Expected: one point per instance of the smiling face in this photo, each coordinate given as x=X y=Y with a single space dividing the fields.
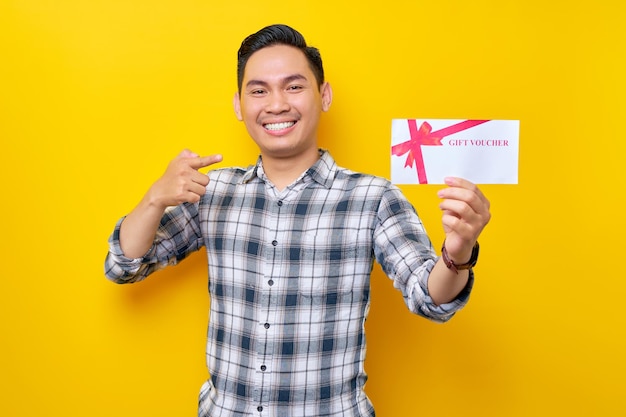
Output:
x=280 y=103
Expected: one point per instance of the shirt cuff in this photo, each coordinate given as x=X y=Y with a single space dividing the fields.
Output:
x=118 y=266
x=444 y=312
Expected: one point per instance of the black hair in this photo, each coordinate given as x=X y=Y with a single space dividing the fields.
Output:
x=278 y=35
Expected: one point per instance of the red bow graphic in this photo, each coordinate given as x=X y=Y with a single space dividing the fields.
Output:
x=425 y=136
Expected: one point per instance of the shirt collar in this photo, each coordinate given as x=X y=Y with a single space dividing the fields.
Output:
x=323 y=171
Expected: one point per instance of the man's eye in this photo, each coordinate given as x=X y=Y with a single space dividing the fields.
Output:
x=294 y=87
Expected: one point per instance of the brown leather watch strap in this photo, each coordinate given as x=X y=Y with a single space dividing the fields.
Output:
x=451 y=265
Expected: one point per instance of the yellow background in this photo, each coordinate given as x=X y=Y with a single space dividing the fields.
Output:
x=96 y=96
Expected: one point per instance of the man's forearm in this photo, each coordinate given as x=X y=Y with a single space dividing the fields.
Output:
x=139 y=228
x=444 y=284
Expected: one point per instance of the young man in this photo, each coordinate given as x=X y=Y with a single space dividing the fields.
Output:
x=290 y=246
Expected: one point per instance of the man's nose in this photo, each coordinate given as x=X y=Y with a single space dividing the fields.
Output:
x=277 y=103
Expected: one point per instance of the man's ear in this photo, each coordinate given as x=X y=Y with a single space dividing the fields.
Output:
x=327 y=96
x=237 y=106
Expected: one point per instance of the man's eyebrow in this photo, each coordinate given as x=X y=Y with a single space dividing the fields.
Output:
x=294 y=77
x=286 y=80
x=256 y=82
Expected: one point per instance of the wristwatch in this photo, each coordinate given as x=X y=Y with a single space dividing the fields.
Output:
x=451 y=265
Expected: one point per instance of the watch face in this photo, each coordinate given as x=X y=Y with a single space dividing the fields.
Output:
x=474 y=258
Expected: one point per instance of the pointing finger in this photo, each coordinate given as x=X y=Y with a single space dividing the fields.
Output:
x=205 y=161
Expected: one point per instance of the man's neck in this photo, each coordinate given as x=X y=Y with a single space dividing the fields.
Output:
x=284 y=171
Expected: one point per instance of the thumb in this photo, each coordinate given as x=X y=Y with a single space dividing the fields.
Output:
x=186 y=153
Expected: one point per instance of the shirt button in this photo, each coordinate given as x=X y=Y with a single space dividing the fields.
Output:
x=266 y=325
x=259 y=409
x=263 y=368
x=280 y=203
x=274 y=242
x=270 y=282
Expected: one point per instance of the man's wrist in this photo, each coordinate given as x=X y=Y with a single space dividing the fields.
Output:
x=455 y=266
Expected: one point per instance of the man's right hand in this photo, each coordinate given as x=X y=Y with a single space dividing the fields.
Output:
x=182 y=182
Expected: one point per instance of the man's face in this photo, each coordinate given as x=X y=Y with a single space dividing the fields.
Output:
x=280 y=102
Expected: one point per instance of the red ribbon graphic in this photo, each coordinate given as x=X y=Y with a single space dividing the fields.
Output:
x=425 y=136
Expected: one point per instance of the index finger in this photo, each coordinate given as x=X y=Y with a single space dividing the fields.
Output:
x=459 y=188
x=204 y=161
x=459 y=182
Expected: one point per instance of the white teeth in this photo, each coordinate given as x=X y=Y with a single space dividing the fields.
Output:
x=279 y=126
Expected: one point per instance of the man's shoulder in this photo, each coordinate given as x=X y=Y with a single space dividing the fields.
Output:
x=228 y=175
x=361 y=179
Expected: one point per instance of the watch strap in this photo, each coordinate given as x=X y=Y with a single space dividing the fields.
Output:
x=456 y=267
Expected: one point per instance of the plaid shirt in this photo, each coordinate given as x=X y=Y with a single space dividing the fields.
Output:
x=289 y=280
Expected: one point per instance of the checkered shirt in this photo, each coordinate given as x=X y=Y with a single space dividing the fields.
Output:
x=289 y=281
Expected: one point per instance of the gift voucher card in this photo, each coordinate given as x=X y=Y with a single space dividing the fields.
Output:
x=425 y=151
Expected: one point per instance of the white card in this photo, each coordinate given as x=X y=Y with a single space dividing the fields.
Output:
x=481 y=151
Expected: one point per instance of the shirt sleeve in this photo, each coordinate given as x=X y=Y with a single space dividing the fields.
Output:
x=406 y=255
x=178 y=235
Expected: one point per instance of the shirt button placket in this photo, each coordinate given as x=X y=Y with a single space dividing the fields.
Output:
x=266 y=346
